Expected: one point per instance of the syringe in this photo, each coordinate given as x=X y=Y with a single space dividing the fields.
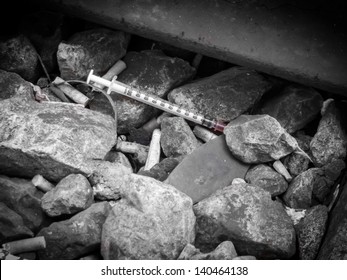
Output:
x=154 y=101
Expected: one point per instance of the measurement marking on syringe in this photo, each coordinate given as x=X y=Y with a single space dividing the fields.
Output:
x=155 y=102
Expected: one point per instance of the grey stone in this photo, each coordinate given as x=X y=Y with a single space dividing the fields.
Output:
x=188 y=252
x=153 y=220
x=294 y=107
x=299 y=192
x=53 y=140
x=94 y=49
x=223 y=96
x=267 y=178
x=151 y=72
x=247 y=216
x=176 y=137
x=22 y=197
x=330 y=141
x=77 y=236
x=12 y=85
x=258 y=139
x=107 y=180
x=310 y=231
x=12 y=226
x=224 y=251
x=18 y=55
x=296 y=163
x=118 y=157
x=245 y=257
x=161 y=170
x=334 y=246
x=71 y=195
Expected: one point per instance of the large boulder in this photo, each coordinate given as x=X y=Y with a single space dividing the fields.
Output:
x=247 y=216
x=224 y=96
x=153 y=220
x=53 y=140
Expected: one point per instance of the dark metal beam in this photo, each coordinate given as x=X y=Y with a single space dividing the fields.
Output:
x=283 y=40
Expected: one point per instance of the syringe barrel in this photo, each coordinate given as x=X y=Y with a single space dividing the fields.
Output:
x=154 y=101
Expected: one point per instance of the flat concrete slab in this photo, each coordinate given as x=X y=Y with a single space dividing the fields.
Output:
x=281 y=40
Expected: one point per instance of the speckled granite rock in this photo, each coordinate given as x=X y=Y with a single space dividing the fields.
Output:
x=53 y=140
x=153 y=220
x=71 y=195
x=247 y=216
x=310 y=231
x=258 y=138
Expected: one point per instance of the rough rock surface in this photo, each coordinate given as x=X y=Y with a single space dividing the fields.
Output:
x=299 y=192
x=298 y=163
x=330 y=141
x=71 y=195
x=53 y=140
x=310 y=231
x=153 y=221
x=267 y=178
x=151 y=72
x=294 y=107
x=76 y=237
x=22 y=197
x=334 y=245
x=224 y=251
x=310 y=185
x=224 y=96
x=161 y=170
x=12 y=225
x=18 y=55
x=12 y=85
x=95 y=49
x=258 y=139
x=106 y=181
x=247 y=216
x=176 y=137
x=118 y=157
